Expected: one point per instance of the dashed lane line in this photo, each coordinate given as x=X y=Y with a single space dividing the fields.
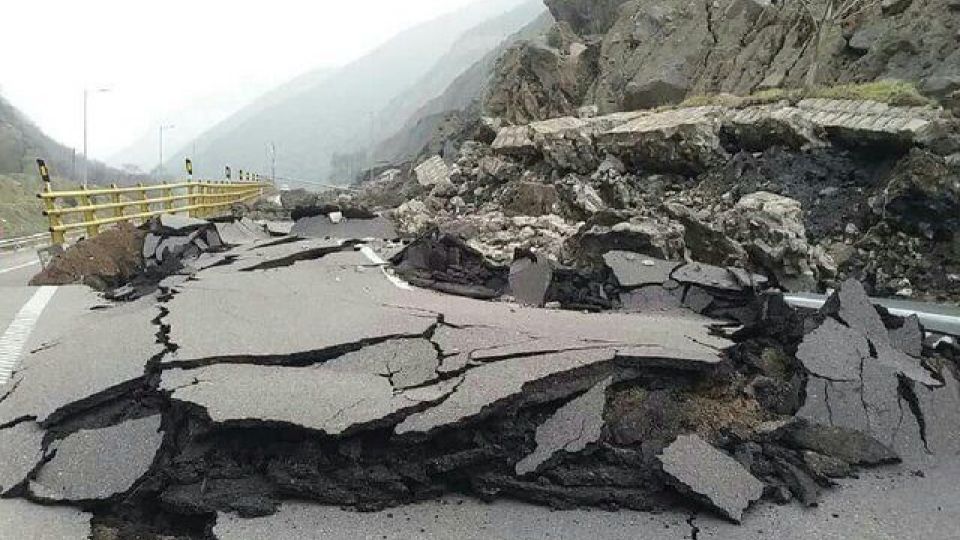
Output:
x=376 y=259
x=16 y=335
x=18 y=267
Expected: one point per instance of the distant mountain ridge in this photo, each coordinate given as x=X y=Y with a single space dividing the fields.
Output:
x=349 y=110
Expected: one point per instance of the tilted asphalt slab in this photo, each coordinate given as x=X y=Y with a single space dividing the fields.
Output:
x=81 y=347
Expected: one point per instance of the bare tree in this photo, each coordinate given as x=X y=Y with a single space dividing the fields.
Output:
x=827 y=14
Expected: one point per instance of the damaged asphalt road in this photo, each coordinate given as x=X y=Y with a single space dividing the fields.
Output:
x=292 y=369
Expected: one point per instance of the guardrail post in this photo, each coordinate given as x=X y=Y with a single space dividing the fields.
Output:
x=144 y=206
x=191 y=200
x=115 y=199
x=57 y=237
x=89 y=216
x=167 y=194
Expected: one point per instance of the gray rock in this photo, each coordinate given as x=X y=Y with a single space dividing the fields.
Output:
x=433 y=172
x=635 y=270
x=81 y=469
x=711 y=476
x=171 y=248
x=571 y=429
x=22 y=451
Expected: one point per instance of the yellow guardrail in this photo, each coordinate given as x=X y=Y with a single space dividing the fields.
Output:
x=200 y=199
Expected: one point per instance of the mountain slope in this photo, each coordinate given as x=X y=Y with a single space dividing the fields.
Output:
x=424 y=113
x=335 y=115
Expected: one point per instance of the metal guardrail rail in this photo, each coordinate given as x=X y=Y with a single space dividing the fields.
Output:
x=199 y=199
x=7 y=244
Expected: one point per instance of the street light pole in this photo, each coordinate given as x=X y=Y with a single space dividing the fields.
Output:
x=86 y=158
x=160 y=165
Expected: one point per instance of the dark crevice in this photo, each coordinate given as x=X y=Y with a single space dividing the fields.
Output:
x=308 y=255
x=908 y=393
x=694 y=529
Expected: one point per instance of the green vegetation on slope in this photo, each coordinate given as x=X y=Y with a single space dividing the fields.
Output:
x=891 y=92
x=20 y=210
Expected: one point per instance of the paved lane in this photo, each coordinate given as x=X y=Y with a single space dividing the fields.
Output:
x=17 y=267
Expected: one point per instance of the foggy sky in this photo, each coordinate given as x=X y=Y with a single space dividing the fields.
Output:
x=157 y=57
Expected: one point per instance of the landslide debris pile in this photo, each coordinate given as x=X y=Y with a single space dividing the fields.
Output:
x=807 y=193
x=387 y=396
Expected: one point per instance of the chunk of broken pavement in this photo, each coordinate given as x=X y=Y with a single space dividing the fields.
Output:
x=834 y=351
x=22 y=451
x=331 y=401
x=571 y=429
x=530 y=279
x=494 y=386
x=851 y=446
x=635 y=270
x=711 y=476
x=99 y=464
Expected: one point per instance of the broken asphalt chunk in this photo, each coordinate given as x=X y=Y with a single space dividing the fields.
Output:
x=331 y=401
x=22 y=450
x=571 y=429
x=851 y=446
x=350 y=229
x=834 y=351
x=530 y=279
x=635 y=270
x=405 y=362
x=498 y=385
x=93 y=465
x=75 y=361
x=711 y=476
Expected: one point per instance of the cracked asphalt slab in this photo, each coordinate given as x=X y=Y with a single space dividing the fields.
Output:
x=293 y=369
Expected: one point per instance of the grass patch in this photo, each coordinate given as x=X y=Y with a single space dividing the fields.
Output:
x=892 y=92
x=20 y=209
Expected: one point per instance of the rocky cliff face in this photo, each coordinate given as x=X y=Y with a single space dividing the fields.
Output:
x=625 y=55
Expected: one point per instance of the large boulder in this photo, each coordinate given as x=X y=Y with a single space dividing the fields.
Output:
x=530 y=199
x=770 y=227
x=616 y=231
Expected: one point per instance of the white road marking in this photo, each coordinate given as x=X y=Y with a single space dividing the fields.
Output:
x=16 y=335
x=376 y=259
x=18 y=267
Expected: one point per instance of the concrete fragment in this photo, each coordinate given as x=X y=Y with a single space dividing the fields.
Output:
x=172 y=247
x=571 y=429
x=22 y=450
x=99 y=464
x=834 y=351
x=339 y=401
x=635 y=270
x=711 y=476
